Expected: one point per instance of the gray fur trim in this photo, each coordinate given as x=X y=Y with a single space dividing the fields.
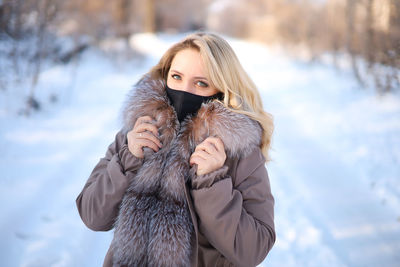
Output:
x=154 y=225
x=207 y=180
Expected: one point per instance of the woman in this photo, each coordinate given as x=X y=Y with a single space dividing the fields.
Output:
x=184 y=183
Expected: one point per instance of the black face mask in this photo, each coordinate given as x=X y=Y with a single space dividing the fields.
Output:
x=186 y=103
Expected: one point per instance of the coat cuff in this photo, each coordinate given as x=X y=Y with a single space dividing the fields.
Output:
x=129 y=162
x=208 y=179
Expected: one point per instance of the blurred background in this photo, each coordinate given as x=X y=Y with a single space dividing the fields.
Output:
x=38 y=33
x=327 y=70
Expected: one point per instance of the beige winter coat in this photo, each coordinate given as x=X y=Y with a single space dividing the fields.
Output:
x=232 y=208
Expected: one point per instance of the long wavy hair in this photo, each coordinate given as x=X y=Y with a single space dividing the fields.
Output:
x=225 y=73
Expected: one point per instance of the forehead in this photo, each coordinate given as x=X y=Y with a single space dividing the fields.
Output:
x=188 y=61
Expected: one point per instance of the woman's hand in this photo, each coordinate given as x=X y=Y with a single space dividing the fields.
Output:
x=209 y=155
x=143 y=134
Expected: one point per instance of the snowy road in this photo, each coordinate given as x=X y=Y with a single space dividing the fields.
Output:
x=328 y=212
x=334 y=175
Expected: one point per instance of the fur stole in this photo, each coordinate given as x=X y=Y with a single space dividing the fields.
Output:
x=154 y=226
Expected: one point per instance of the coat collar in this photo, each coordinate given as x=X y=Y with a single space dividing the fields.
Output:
x=239 y=133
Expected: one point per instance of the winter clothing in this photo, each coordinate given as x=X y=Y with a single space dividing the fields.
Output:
x=166 y=215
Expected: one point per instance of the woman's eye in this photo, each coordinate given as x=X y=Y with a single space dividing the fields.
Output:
x=176 y=76
x=202 y=84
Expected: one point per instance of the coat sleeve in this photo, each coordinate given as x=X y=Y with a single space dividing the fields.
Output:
x=237 y=220
x=99 y=201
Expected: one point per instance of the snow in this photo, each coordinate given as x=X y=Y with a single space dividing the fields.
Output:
x=334 y=173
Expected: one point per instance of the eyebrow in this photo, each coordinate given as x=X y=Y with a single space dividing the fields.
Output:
x=197 y=77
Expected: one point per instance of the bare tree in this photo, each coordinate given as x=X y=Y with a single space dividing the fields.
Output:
x=149 y=18
x=369 y=36
x=122 y=17
x=351 y=38
x=46 y=10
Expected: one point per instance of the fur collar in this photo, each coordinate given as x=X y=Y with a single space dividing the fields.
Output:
x=239 y=133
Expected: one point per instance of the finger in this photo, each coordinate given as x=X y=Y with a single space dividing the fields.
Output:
x=217 y=142
x=197 y=160
x=202 y=154
x=142 y=119
x=149 y=136
x=194 y=158
x=148 y=143
x=147 y=126
x=207 y=146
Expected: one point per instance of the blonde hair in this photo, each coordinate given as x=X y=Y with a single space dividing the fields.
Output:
x=227 y=75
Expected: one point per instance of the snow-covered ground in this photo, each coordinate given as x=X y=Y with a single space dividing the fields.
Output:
x=335 y=170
